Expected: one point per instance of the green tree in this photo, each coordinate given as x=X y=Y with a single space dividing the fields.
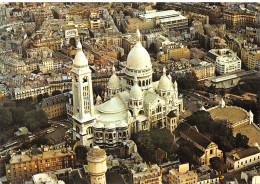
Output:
x=241 y=140
x=56 y=92
x=18 y=115
x=217 y=131
x=148 y=142
x=66 y=90
x=189 y=81
x=5 y=117
x=202 y=120
x=185 y=154
x=98 y=89
x=152 y=48
x=46 y=95
x=162 y=138
x=145 y=145
x=39 y=98
x=34 y=126
x=81 y=153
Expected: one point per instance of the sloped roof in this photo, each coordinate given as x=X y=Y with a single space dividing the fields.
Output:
x=194 y=135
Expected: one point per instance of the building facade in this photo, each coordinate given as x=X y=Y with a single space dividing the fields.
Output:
x=226 y=61
x=143 y=173
x=182 y=175
x=23 y=167
x=250 y=57
x=206 y=149
x=243 y=158
x=204 y=70
x=54 y=106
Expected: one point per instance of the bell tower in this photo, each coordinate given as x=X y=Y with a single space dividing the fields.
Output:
x=83 y=105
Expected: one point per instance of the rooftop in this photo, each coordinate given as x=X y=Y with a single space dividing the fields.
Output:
x=197 y=137
x=161 y=14
x=45 y=155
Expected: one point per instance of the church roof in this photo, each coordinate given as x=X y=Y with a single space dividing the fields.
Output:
x=122 y=124
x=150 y=97
x=110 y=126
x=99 y=125
x=114 y=82
x=114 y=105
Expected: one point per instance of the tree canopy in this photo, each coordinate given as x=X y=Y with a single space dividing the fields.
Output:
x=23 y=113
x=5 y=117
x=81 y=153
x=148 y=142
x=189 y=81
x=56 y=92
x=217 y=131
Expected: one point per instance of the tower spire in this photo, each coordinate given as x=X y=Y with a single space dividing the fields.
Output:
x=164 y=71
x=113 y=69
x=135 y=80
x=138 y=34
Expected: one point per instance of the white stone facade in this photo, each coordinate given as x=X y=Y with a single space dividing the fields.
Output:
x=135 y=102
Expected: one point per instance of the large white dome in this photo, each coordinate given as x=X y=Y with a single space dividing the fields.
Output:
x=138 y=58
x=80 y=59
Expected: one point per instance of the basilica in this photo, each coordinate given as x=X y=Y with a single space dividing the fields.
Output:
x=134 y=102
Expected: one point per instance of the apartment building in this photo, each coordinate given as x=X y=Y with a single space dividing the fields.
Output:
x=143 y=173
x=243 y=158
x=226 y=60
x=182 y=175
x=54 y=106
x=204 y=70
x=250 y=57
x=23 y=166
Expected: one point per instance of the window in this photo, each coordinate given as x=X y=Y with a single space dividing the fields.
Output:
x=211 y=151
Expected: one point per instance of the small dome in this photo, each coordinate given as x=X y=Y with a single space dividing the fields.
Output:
x=138 y=58
x=80 y=59
x=111 y=126
x=98 y=125
x=114 y=81
x=136 y=92
x=164 y=82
